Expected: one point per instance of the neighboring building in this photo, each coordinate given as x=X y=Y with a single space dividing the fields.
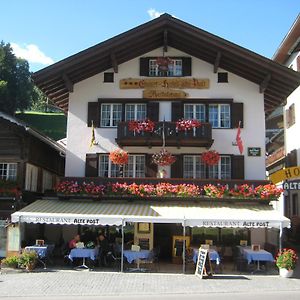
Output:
x=288 y=54
x=30 y=164
x=206 y=78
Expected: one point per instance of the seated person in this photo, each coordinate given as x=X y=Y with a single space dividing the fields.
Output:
x=103 y=244
x=74 y=241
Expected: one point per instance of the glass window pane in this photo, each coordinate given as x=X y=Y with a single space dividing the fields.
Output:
x=153 y=70
x=225 y=115
x=117 y=114
x=214 y=115
x=225 y=167
x=103 y=166
x=141 y=111
x=213 y=172
x=139 y=166
x=189 y=111
x=129 y=112
x=114 y=170
x=12 y=172
x=105 y=115
x=200 y=167
x=188 y=166
x=3 y=171
x=200 y=112
x=129 y=167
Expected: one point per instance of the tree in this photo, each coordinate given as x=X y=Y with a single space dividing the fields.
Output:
x=16 y=86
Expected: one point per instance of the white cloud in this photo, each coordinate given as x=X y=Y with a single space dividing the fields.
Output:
x=32 y=53
x=153 y=13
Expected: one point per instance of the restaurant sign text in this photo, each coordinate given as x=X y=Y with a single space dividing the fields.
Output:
x=228 y=223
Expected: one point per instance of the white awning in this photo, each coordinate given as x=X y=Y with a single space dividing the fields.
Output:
x=205 y=214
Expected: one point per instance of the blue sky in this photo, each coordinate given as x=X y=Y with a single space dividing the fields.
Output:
x=46 y=31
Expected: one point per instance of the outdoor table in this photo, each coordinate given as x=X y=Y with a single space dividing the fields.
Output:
x=136 y=256
x=213 y=255
x=261 y=255
x=83 y=253
x=43 y=252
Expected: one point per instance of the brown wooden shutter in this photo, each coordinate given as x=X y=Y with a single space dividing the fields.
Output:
x=144 y=66
x=153 y=111
x=151 y=169
x=93 y=114
x=91 y=165
x=237 y=167
x=177 y=167
x=186 y=66
x=177 y=110
x=237 y=114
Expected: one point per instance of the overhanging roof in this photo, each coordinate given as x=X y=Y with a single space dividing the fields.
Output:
x=208 y=214
x=275 y=80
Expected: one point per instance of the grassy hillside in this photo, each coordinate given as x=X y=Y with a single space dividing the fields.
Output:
x=53 y=125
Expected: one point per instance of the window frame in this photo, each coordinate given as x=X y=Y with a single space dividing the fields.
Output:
x=110 y=164
x=219 y=120
x=194 y=110
x=157 y=73
x=219 y=169
x=111 y=111
x=194 y=171
x=8 y=169
x=135 y=111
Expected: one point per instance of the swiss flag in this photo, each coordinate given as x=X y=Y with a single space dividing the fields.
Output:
x=239 y=139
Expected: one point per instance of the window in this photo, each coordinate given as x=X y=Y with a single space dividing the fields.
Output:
x=290 y=116
x=31 y=178
x=174 y=68
x=108 y=77
x=193 y=167
x=135 y=112
x=8 y=171
x=222 y=77
x=219 y=115
x=111 y=114
x=222 y=170
x=134 y=168
x=194 y=111
x=47 y=180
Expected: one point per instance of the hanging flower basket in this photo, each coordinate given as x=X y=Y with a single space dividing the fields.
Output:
x=163 y=158
x=163 y=63
x=182 y=124
x=119 y=157
x=210 y=158
x=140 y=126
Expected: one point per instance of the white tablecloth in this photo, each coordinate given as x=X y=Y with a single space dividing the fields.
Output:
x=131 y=256
x=83 y=253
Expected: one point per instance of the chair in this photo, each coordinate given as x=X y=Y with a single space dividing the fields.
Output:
x=148 y=261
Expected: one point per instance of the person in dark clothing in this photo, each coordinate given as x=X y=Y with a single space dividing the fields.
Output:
x=103 y=249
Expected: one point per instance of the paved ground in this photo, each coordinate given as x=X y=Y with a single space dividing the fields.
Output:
x=85 y=283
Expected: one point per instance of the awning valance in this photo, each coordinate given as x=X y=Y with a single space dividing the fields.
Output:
x=210 y=214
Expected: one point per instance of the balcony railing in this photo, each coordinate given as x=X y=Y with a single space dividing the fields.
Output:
x=197 y=137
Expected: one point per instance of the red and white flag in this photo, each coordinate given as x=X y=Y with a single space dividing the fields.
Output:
x=238 y=139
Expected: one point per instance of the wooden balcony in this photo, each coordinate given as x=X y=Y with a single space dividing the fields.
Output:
x=197 y=137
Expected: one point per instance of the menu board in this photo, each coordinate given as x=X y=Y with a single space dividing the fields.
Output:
x=13 y=238
x=202 y=255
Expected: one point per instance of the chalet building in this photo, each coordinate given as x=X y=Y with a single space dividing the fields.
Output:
x=165 y=71
x=288 y=54
x=30 y=164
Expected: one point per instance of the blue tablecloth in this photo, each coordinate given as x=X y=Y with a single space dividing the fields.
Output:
x=42 y=251
x=83 y=253
x=131 y=256
x=213 y=255
x=261 y=255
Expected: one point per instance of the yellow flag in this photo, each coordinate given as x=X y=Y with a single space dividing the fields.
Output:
x=93 y=136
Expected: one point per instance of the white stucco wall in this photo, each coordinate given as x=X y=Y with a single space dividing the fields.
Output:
x=239 y=89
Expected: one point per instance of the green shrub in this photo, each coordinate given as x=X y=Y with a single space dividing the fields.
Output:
x=11 y=262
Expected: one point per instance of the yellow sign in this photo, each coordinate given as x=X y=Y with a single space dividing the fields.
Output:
x=164 y=94
x=157 y=83
x=285 y=174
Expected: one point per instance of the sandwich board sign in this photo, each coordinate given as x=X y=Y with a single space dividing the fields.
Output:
x=203 y=266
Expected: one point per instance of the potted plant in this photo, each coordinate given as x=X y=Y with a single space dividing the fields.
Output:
x=286 y=261
x=163 y=158
x=210 y=158
x=10 y=262
x=28 y=260
x=119 y=157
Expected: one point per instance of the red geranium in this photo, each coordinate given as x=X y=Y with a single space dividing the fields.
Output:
x=182 y=124
x=211 y=157
x=119 y=157
x=139 y=126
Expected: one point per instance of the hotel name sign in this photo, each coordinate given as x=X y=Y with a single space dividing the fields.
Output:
x=158 y=83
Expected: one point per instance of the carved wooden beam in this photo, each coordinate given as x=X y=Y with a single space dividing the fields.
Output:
x=165 y=40
x=217 y=62
x=263 y=86
x=114 y=62
x=68 y=83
